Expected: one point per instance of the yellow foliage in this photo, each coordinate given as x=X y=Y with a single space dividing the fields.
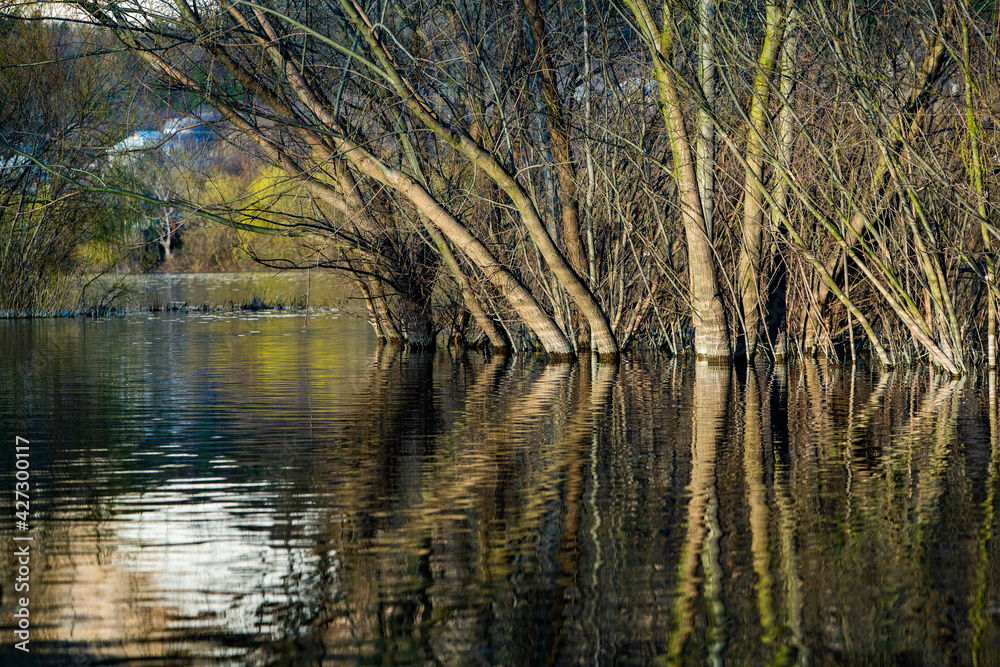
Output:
x=272 y=199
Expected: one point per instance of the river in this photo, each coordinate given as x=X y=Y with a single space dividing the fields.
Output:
x=265 y=488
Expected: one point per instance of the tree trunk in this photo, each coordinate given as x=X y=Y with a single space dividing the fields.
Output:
x=748 y=267
x=706 y=125
x=563 y=162
x=973 y=133
x=464 y=144
x=711 y=333
x=777 y=323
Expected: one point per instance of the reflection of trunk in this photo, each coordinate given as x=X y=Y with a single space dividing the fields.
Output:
x=463 y=472
x=858 y=423
x=592 y=596
x=753 y=453
x=788 y=524
x=940 y=409
x=596 y=382
x=570 y=443
x=711 y=394
x=552 y=487
x=979 y=604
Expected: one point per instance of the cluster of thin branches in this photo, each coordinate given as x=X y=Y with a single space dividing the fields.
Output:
x=780 y=176
x=52 y=111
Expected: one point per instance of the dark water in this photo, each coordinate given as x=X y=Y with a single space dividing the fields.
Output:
x=235 y=490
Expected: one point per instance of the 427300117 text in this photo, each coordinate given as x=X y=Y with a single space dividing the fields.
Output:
x=22 y=543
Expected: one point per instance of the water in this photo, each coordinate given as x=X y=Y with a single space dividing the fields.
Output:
x=234 y=488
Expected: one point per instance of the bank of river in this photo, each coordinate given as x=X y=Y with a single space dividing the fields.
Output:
x=107 y=295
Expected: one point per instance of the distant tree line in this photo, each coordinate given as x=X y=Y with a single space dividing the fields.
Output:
x=785 y=177
x=54 y=110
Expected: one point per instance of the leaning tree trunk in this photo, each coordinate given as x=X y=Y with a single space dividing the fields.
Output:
x=908 y=119
x=563 y=162
x=472 y=303
x=461 y=142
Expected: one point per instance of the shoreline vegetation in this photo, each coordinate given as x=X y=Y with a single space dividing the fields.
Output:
x=198 y=292
x=784 y=178
x=174 y=307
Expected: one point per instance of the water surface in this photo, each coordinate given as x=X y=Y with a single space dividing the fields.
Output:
x=258 y=488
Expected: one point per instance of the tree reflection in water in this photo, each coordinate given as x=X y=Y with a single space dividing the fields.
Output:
x=393 y=507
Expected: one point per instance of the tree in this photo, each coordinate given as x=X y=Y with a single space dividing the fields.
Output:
x=55 y=109
x=571 y=175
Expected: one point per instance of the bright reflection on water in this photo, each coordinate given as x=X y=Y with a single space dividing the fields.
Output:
x=235 y=489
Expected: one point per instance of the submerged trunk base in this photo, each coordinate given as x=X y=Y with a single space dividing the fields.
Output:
x=561 y=358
